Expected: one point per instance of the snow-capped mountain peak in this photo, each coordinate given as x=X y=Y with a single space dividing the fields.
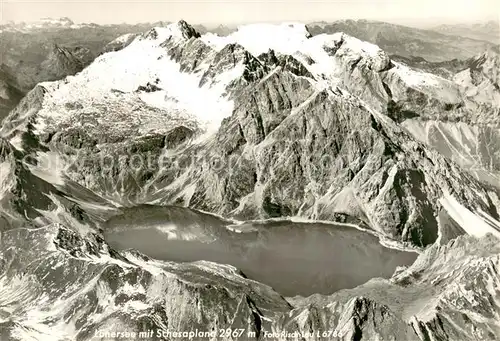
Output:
x=160 y=56
x=302 y=128
x=178 y=30
x=43 y=24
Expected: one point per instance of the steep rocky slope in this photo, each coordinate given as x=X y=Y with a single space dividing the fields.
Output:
x=267 y=122
x=62 y=62
x=473 y=144
x=120 y=42
x=308 y=127
x=10 y=94
x=58 y=285
x=481 y=79
x=25 y=52
x=103 y=291
x=406 y=41
x=449 y=293
x=51 y=49
x=19 y=78
x=33 y=194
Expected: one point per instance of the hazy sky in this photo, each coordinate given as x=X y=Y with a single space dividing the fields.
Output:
x=239 y=11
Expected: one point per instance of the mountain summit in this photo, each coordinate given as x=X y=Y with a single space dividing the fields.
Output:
x=215 y=144
x=241 y=97
x=433 y=45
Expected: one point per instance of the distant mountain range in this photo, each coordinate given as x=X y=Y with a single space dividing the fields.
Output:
x=43 y=24
x=489 y=31
x=406 y=41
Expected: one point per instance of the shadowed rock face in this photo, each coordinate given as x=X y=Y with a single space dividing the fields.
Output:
x=32 y=197
x=321 y=133
x=10 y=92
x=59 y=62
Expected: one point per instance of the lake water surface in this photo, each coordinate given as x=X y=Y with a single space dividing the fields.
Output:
x=293 y=258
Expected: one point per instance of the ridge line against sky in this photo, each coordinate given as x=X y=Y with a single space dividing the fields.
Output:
x=210 y=12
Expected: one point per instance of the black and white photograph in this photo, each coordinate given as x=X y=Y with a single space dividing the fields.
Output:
x=283 y=170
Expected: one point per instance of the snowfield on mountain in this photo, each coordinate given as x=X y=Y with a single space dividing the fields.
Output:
x=201 y=150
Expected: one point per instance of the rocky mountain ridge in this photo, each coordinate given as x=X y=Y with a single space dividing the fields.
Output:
x=28 y=50
x=407 y=41
x=473 y=146
x=268 y=122
x=106 y=292
x=361 y=81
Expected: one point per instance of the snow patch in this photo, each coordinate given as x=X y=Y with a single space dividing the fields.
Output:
x=143 y=61
x=6 y=178
x=122 y=39
x=49 y=167
x=428 y=83
x=472 y=223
